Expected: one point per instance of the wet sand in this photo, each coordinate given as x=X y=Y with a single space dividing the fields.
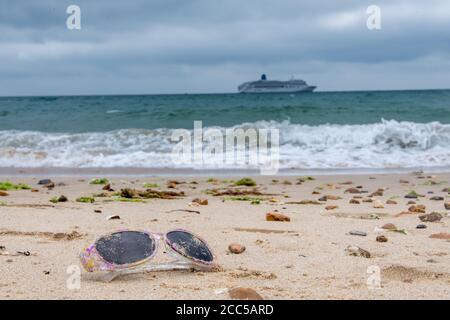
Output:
x=303 y=258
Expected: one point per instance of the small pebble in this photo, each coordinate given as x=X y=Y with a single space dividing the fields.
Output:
x=378 y=204
x=45 y=181
x=277 y=217
x=358 y=252
x=63 y=198
x=432 y=217
x=49 y=186
x=107 y=187
x=244 y=294
x=358 y=233
x=236 y=248
x=441 y=235
x=420 y=208
x=202 y=202
x=389 y=226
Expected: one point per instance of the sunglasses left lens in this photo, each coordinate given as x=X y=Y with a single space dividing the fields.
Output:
x=189 y=246
x=125 y=247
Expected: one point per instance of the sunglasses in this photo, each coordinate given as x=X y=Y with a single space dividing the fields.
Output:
x=128 y=252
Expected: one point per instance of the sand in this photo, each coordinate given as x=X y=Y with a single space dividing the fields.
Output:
x=304 y=258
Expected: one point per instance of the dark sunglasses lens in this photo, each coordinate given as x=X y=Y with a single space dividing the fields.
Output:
x=125 y=247
x=189 y=245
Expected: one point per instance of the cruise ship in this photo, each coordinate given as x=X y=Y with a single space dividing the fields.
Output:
x=275 y=86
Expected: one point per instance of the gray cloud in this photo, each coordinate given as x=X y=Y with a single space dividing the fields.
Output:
x=168 y=46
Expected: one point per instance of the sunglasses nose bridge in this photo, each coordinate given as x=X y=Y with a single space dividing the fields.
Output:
x=158 y=236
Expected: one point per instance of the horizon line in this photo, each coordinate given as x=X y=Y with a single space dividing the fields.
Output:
x=214 y=93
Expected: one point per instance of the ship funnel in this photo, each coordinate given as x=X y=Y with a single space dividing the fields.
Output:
x=263 y=77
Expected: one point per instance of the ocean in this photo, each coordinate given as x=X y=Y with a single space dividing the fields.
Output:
x=322 y=130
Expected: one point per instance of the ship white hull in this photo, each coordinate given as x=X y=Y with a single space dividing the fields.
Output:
x=277 y=90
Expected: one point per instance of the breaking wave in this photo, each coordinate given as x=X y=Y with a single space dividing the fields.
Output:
x=387 y=144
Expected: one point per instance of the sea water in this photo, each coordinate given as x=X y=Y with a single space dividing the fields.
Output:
x=322 y=130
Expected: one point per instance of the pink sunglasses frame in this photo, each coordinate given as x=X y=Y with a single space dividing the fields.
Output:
x=92 y=261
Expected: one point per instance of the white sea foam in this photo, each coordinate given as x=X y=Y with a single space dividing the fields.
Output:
x=388 y=144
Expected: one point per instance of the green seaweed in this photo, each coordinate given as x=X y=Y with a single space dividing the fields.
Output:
x=305 y=202
x=412 y=194
x=245 y=182
x=99 y=181
x=100 y=195
x=86 y=200
x=150 y=185
x=402 y=231
x=246 y=198
x=54 y=200
x=6 y=186
x=433 y=183
x=305 y=178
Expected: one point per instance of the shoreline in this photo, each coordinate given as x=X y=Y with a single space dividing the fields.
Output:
x=189 y=172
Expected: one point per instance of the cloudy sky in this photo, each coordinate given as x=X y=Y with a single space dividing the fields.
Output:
x=193 y=46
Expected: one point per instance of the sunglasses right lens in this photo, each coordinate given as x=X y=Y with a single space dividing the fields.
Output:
x=125 y=247
x=189 y=245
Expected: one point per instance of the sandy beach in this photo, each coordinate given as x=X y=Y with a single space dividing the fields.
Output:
x=304 y=258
